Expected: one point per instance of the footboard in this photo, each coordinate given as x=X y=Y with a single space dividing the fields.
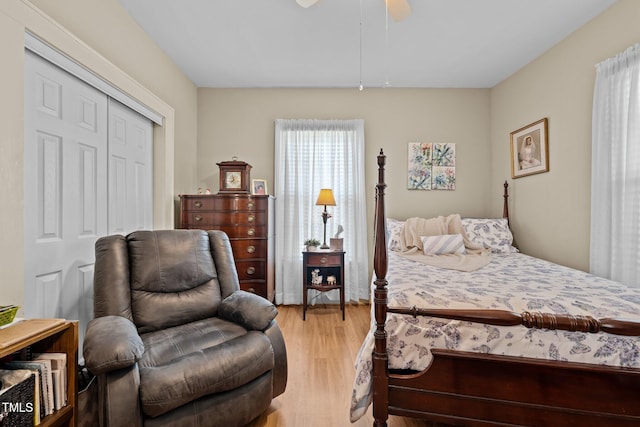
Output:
x=474 y=389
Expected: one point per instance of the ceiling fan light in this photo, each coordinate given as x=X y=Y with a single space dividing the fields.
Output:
x=306 y=3
x=398 y=9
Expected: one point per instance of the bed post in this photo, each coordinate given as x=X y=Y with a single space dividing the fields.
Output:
x=380 y=359
x=505 y=209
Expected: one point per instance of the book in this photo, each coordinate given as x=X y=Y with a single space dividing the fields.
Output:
x=59 y=374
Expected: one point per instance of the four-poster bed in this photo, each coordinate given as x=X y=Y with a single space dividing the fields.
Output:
x=478 y=388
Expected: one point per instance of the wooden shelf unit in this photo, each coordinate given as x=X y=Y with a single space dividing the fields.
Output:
x=48 y=336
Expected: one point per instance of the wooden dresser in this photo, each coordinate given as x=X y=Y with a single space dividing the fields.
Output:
x=248 y=220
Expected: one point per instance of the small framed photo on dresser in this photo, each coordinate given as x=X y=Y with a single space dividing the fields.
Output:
x=259 y=187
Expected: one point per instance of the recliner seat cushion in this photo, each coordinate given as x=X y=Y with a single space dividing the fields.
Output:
x=215 y=369
x=163 y=346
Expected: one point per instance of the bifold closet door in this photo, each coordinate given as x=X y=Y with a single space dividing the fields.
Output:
x=88 y=173
x=65 y=187
x=130 y=170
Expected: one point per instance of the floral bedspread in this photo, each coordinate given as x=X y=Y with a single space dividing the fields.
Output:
x=514 y=282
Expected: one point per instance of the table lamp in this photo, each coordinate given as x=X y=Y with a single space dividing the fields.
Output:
x=325 y=198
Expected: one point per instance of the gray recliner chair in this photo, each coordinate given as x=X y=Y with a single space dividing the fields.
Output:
x=174 y=340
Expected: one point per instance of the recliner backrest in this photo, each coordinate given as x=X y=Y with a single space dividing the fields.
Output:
x=163 y=278
x=173 y=278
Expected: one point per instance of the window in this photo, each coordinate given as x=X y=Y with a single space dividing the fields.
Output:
x=615 y=170
x=310 y=155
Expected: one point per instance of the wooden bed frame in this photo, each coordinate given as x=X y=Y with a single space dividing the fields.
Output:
x=472 y=389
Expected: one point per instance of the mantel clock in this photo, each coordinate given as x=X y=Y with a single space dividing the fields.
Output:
x=234 y=176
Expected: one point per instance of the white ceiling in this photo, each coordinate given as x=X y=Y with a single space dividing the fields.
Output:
x=277 y=43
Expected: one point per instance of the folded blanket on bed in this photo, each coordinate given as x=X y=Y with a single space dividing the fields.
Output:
x=415 y=229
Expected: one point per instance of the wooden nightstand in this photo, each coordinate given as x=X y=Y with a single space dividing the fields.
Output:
x=328 y=263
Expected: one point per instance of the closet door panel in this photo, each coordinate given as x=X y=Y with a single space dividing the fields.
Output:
x=65 y=187
x=130 y=170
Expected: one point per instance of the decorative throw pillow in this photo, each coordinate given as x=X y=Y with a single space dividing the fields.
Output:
x=394 y=230
x=443 y=244
x=492 y=233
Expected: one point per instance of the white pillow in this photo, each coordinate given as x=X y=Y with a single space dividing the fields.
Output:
x=493 y=233
x=443 y=244
x=394 y=230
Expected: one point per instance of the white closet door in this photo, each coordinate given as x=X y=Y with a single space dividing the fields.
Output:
x=130 y=170
x=65 y=187
x=88 y=173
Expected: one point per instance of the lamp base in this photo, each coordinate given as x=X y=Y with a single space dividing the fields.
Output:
x=324 y=246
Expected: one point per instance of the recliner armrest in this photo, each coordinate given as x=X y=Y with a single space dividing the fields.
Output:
x=249 y=310
x=111 y=343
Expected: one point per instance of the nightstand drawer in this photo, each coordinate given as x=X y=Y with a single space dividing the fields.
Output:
x=324 y=259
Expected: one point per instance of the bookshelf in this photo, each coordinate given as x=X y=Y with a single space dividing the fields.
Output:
x=48 y=336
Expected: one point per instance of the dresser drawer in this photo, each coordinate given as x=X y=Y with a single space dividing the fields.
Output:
x=249 y=248
x=241 y=204
x=324 y=259
x=255 y=286
x=197 y=203
x=217 y=203
x=237 y=218
x=198 y=219
x=251 y=270
x=243 y=231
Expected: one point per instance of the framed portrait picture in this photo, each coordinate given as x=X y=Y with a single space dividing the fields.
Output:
x=530 y=149
x=259 y=187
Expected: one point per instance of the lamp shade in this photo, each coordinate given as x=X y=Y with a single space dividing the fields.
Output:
x=326 y=197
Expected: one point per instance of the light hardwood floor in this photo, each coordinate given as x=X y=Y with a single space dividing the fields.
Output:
x=321 y=355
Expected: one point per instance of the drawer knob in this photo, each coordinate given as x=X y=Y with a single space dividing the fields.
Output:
x=250 y=205
x=323 y=260
x=198 y=204
x=197 y=218
x=251 y=232
x=251 y=270
x=251 y=249
x=251 y=218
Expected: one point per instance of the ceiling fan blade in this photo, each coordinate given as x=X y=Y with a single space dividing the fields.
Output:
x=306 y=3
x=398 y=9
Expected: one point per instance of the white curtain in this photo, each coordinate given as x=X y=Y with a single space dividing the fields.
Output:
x=615 y=182
x=311 y=155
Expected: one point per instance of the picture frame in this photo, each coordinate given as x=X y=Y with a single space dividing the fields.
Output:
x=431 y=166
x=259 y=187
x=530 y=149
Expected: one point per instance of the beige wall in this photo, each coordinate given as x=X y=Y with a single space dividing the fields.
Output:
x=240 y=122
x=551 y=211
x=99 y=35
